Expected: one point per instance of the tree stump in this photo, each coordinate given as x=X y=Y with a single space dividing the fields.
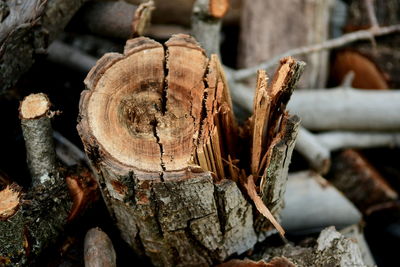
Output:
x=158 y=127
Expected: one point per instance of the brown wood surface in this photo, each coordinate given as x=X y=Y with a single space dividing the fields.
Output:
x=158 y=127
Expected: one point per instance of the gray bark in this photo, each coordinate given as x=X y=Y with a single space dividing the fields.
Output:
x=26 y=31
x=312 y=203
x=38 y=136
x=347 y=109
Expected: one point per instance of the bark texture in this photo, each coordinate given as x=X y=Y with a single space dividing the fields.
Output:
x=38 y=136
x=165 y=207
x=41 y=215
x=166 y=144
x=26 y=31
x=269 y=28
x=331 y=249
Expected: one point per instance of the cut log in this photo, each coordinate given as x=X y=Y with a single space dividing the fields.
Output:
x=27 y=30
x=34 y=112
x=158 y=127
x=116 y=19
x=360 y=181
x=347 y=109
x=264 y=24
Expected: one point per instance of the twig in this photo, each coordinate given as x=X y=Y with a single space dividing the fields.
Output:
x=333 y=43
x=369 y=4
x=338 y=140
x=316 y=148
x=313 y=151
x=34 y=112
x=206 y=23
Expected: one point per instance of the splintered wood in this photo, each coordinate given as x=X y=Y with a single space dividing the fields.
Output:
x=158 y=126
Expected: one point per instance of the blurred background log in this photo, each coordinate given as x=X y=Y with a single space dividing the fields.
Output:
x=269 y=28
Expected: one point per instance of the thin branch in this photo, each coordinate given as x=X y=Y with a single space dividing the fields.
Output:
x=329 y=44
x=34 y=112
x=338 y=140
x=317 y=155
x=369 y=4
x=206 y=23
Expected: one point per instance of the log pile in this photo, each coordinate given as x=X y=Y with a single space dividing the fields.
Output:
x=191 y=162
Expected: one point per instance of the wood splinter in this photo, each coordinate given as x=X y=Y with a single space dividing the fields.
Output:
x=158 y=127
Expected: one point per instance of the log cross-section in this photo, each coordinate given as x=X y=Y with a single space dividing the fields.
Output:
x=157 y=125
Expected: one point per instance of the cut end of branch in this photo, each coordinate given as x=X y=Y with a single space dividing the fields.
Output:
x=218 y=8
x=154 y=97
x=34 y=106
x=9 y=201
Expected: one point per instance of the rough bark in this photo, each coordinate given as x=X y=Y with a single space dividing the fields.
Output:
x=331 y=249
x=360 y=181
x=27 y=30
x=41 y=215
x=165 y=208
x=265 y=24
x=31 y=221
x=165 y=146
x=34 y=112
